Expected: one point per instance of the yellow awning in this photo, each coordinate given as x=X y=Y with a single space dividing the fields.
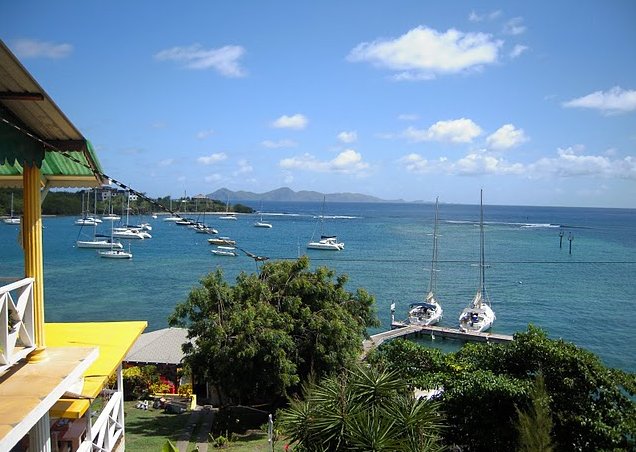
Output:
x=114 y=340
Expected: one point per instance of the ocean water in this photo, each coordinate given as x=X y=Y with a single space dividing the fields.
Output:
x=587 y=297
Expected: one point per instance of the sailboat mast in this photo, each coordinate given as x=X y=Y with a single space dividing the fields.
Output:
x=432 y=287
x=322 y=217
x=482 y=261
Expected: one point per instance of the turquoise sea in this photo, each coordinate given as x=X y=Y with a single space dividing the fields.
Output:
x=587 y=297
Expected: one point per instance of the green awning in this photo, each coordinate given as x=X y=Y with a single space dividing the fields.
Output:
x=57 y=169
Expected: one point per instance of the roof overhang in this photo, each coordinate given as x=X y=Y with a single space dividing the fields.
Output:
x=34 y=131
x=113 y=339
x=28 y=390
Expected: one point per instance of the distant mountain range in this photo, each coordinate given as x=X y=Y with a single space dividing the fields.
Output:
x=287 y=194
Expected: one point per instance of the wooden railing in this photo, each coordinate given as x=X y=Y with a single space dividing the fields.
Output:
x=17 y=335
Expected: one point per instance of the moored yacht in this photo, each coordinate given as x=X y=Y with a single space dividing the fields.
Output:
x=479 y=316
x=430 y=312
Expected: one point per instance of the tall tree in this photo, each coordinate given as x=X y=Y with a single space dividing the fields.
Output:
x=257 y=340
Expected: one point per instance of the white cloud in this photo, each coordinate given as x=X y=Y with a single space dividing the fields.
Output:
x=518 y=50
x=166 y=162
x=296 y=121
x=473 y=164
x=478 y=163
x=455 y=131
x=423 y=52
x=348 y=137
x=211 y=159
x=244 y=167
x=347 y=162
x=203 y=134
x=214 y=177
x=506 y=137
x=567 y=163
x=415 y=163
x=32 y=48
x=514 y=26
x=474 y=17
x=614 y=101
x=225 y=60
x=279 y=144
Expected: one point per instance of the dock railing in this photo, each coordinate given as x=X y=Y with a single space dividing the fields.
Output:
x=17 y=328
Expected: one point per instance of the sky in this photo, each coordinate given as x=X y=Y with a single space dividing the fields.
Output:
x=534 y=102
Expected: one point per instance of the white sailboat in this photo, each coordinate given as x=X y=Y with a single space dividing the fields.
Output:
x=430 y=312
x=479 y=316
x=228 y=215
x=110 y=216
x=326 y=242
x=172 y=217
x=98 y=241
x=225 y=251
x=87 y=219
x=115 y=252
x=130 y=232
x=11 y=219
x=260 y=223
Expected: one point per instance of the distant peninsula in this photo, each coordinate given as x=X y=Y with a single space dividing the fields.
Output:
x=287 y=194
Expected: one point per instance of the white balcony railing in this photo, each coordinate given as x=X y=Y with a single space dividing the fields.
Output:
x=108 y=428
x=17 y=329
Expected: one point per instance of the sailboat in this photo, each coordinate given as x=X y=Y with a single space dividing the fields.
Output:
x=110 y=215
x=479 y=316
x=115 y=252
x=261 y=223
x=228 y=215
x=87 y=219
x=11 y=219
x=430 y=312
x=99 y=241
x=127 y=231
x=172 y=217
x=326 y=242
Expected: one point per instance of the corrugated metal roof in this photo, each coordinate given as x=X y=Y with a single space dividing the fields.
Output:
x=57 y=169
x=159 y=347
x=27 y=107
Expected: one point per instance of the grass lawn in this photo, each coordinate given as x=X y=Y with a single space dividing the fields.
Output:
x=147 y=431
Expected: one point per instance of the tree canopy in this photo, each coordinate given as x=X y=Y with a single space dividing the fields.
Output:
x=257 y=340
x=592 y=406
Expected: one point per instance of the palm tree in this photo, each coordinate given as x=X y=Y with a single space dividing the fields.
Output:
x=362 y=409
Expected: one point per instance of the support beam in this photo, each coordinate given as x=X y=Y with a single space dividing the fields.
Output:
x=32 y=245
x=12 y=95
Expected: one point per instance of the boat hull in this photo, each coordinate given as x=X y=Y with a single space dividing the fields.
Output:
x=325 y=245
x=98 y=244
x=115 y=254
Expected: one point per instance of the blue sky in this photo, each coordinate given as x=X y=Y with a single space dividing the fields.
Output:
x=535 y=102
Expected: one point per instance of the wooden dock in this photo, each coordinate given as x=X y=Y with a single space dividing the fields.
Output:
x=400 y=329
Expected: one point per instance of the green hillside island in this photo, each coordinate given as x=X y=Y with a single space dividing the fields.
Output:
x=289 y=195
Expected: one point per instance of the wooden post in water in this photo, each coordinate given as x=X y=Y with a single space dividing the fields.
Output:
x=570 y=238
x=560 y=239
